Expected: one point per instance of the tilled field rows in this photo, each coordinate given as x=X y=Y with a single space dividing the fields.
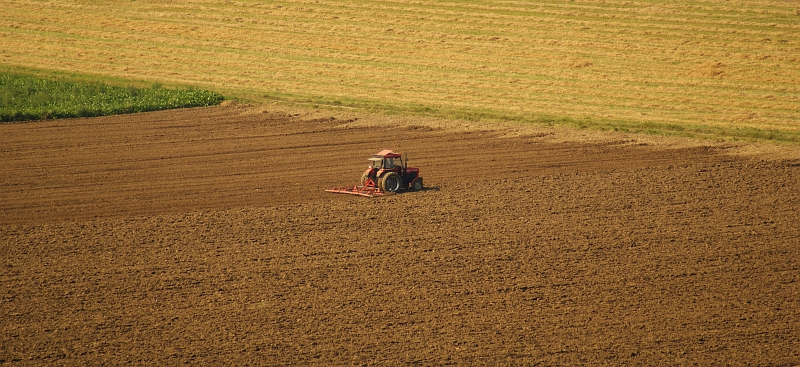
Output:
x=520 y=252
x=218 y=158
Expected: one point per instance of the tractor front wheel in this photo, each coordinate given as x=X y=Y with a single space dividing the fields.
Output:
x=416 y=185
x=390 y=182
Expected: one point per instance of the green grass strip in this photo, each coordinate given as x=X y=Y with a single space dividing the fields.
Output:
x=25 y=98
x=731 y=133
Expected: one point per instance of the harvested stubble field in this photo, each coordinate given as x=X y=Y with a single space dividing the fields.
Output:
x=204 y=237
x=716 y=68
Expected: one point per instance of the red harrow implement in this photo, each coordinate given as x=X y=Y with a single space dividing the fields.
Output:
x=368 y=189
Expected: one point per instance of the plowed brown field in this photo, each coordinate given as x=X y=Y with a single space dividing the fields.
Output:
x=204 y=237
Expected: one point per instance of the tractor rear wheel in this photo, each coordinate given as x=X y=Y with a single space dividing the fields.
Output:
x=390 y=182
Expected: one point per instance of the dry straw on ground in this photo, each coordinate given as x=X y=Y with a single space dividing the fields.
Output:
x=717 y=68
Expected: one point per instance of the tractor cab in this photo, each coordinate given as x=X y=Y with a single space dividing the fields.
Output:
x=375 y=163
x=386 y=159
x=383 y=163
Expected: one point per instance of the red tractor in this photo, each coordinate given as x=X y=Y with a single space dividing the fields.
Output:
x=391 y=172
x=387 y=172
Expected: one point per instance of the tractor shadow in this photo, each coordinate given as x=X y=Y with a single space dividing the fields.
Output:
x=424 y=189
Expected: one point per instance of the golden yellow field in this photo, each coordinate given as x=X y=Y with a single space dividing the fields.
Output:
x=710 y=68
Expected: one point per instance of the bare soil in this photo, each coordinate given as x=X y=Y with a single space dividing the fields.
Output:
x=204 y=236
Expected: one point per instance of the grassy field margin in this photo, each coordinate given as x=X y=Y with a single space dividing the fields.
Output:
x=720 y=133
x=25 y=97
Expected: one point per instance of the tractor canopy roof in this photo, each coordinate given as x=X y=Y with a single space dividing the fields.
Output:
x=387 y=153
